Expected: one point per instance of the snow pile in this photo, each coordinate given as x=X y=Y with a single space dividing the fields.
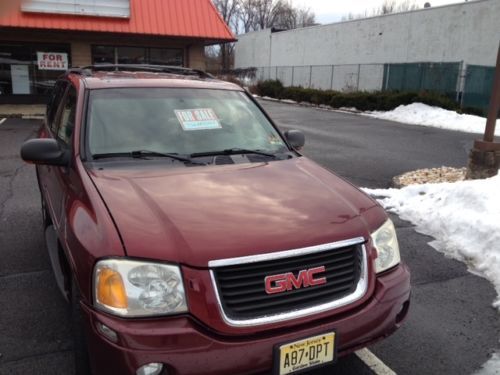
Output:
x=464 y=219
x=425 y=115
x=492 y=367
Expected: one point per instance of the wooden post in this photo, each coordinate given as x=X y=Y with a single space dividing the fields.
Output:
x=489 y=133
x=484 y=158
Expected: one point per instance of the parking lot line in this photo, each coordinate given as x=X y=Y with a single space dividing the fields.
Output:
x=3 y=120
x=374 y=363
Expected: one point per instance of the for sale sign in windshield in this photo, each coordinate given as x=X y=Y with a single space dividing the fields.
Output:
x=52 y=60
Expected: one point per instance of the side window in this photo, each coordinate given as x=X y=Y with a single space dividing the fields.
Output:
x=67 y=118
x=53 y=104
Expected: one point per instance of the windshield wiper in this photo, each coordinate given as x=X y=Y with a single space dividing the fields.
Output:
x=146 y=153
x=233 y=151
x=141 y=154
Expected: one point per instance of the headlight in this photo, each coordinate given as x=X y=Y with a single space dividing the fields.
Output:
x=134 y=288
x=386 y=242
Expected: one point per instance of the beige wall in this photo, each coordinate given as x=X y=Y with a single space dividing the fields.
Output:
x=81 y=43
x=81 y=54
x=196 y=57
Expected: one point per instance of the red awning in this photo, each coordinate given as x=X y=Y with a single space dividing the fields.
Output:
x=173 y=18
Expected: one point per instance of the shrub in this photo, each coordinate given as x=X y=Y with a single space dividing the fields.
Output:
x=474 y=111
x=436 y=100
x=272 y=88
x=363 y=101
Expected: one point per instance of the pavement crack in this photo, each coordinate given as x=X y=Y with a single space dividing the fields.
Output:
x=9 y=191
x=437 y=281
x=38 y=355
x=20 y=274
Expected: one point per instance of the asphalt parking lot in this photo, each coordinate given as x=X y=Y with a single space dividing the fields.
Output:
x=451 y=328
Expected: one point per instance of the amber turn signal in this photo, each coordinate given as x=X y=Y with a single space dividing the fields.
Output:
x=110 y=289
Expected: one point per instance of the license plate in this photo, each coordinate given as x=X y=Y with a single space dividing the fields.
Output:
x=305 y=354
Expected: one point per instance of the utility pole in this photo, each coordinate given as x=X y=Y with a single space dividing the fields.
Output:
x=484 y=158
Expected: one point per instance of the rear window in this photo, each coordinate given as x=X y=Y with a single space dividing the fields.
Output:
x=177 y=120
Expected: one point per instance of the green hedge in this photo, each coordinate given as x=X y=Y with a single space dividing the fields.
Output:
x=363 y=101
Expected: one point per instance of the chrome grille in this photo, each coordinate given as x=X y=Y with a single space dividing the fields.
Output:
x=241 y=287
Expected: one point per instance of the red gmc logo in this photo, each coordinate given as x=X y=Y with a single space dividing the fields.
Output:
x=288 y=281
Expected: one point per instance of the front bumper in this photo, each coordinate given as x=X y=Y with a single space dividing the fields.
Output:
x=185 y=346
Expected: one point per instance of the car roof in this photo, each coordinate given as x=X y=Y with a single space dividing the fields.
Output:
x=157 y=76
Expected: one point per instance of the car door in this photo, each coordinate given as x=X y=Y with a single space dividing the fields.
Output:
x=45 y=173
x=59 y=177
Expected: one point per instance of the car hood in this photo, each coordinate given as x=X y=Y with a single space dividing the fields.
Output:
x=191 y=215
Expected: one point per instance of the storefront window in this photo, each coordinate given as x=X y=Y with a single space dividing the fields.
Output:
x=165 y=56
x=31 y=69
x=103 y=55
x=15 y=74
x=137 y=55
x=131 y=55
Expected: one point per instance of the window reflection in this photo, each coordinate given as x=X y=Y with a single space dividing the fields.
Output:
x=165 y=56
x=103 y=55
x=137 y=55
x=131 y=55
x=19 y=72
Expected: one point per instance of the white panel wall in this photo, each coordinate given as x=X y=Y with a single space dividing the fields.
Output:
x=253 y=50
x=345 y=77
x=321 y=77
x=301 y=76
x=285 y=75
x=371 y=77
x=468 y=32
x=101 y=8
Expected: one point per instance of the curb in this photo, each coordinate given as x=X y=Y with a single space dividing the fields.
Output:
x=34 y=116
x=309 y=105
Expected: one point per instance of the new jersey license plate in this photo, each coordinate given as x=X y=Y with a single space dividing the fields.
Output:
x=305 y=354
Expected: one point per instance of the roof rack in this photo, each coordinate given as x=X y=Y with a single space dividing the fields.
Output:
x=88 y=70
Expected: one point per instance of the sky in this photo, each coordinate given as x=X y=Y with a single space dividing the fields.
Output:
x=328 y=11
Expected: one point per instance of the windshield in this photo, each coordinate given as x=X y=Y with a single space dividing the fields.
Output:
x=177 y=121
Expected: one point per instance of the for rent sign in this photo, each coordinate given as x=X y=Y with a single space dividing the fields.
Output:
x=52 y=60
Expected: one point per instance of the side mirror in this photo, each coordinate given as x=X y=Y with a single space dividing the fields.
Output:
x=44 y=151
x=296 y=138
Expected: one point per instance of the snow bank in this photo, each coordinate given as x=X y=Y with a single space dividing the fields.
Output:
x=425 y=115
x=464 y=219
x=492 y=367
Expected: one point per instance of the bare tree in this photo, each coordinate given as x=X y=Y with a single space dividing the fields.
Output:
x=284 y=16
x=305 y=17
x=263 y=14
x=251 y=15
x=393 y=6
x=387 y=7
x=229 y=10
x=247 y=16
x=291 y=17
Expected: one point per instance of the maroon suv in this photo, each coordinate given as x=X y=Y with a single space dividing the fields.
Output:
x=191 y=237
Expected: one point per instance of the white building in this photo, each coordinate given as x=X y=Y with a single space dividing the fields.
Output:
x=467 y=33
